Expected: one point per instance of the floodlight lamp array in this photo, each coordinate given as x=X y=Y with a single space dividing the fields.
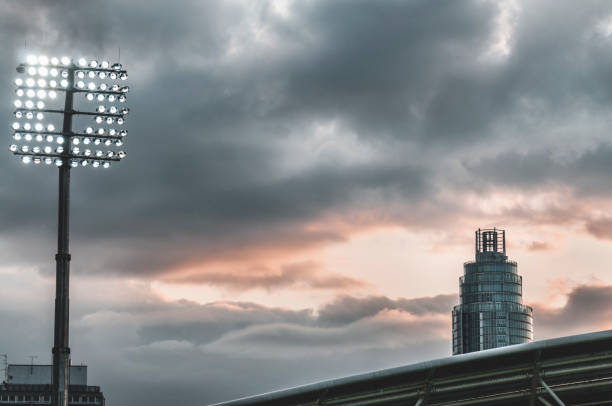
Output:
x=39 y=142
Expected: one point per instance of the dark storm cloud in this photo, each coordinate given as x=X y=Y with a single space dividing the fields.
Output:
x=588 y=308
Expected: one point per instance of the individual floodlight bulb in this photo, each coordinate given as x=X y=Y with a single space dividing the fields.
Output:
x=31 y=59
x=40 y=116
x=19 y=92
x=58 y=162
x=108 y=142
x=112 y=131
x=101 y=131
x=65 y=74
x=17 y=136
x=65 y=61
x=105 y=165
x=99 y=153
x=52 y=94
x=41 y=83
x=29 y=115
x=91 y=74
x=41 y=94
x=84 y=162
x=111 y=97
x=124 y=133
x=102 y=75
x=43 y=60
x=26 y=159
x=36 y=160
x=18 y=114
x=30 y=93
x=110 y=154
x=40 y=104
x=87 y=152
x=54 y=61
x=86 y=141
x=118 y=143
x=95 y=164
x=123 y=76
x=125 y=111
x=25 y=148
x=17 y=103
x=36 y=149
x=49 y=138
x=103 y=86
x=90 y=96
x=109 y=120
x=91 y=85
x=60 y=140
x=80 y=84
x=74 y=163
x=31 y=71
x=50 y=128
x=42 y=71
x=76 y=141
x=101 y=97
x=29 y=104
x=116 y=66
x=13 y=148
x=112 y=75
x=19 y=82
x=82 y=62
x=38 y=127
x=30 y=82
x=104 y=64
x=97 y=141
x=64 y=83
x=53 y=83
x=28 y=137
x=59 y=149
x=27 y=126
x=53 y=72
x=99 y=119
x=48 y=149
x=120 y=121
x=101 y=109
x=113 y=109
x=75 y=150
x=48 y=160
x=89 y=130
x=93 y=64
x=39 y=138
x=80 y=74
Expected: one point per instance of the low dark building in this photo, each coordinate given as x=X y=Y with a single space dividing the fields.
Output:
x=31 y=385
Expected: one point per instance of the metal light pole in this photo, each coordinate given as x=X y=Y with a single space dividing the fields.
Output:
x=38 y=143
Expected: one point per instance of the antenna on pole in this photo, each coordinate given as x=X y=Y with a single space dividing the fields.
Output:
x=32 y=357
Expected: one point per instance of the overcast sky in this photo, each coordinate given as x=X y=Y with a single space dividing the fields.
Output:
x=303 y=183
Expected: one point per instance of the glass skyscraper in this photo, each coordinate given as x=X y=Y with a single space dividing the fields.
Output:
x=491 y=313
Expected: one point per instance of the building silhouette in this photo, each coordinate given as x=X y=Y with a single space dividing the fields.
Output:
x=29 y=385
x=491 y=313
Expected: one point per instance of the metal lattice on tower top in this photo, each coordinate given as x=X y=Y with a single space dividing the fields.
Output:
x=43 y=133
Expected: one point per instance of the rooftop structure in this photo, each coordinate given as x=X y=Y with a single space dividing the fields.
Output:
x=491 y=313
x=32 y=385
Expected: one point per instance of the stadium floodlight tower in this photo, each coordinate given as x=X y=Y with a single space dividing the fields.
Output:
x=37 y=140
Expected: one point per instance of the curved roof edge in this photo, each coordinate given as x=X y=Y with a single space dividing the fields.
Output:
x=422 y=366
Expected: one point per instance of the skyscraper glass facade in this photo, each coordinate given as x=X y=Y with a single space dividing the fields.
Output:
x=491 y=313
